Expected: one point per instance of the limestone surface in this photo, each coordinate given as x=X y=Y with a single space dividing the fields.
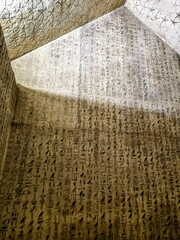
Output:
x=162 y=16
x=30 y=24
x=98 y=156
x=7 y=98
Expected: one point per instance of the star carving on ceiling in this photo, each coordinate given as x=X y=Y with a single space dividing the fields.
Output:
x=164 y=19
x=178 y=15
x=174 y=22
x=156 y=16
x=176 y=4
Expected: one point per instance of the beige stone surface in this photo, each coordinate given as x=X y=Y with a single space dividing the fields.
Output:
x=97 y=58
x=162 y=16
x=30 y=24
x=7 y=99
x=100 y=160
x=53 y=67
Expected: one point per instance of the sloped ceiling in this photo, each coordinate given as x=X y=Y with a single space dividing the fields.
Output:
x=28 y=24
x=162 y=16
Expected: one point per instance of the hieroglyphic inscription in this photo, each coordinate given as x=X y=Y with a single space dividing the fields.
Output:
x=7 y=98
x=102 y=163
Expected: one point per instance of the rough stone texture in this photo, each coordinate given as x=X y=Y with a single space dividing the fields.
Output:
x=162 y=16
x=102 y=160
x=7 y=99
x=30 y=24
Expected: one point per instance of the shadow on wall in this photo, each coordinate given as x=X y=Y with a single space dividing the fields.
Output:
x=83 y=170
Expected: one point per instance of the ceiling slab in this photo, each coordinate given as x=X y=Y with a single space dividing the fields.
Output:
x=28 y=25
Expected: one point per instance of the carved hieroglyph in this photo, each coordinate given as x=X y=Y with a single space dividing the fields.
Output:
x=30 y=24
x=99 y=157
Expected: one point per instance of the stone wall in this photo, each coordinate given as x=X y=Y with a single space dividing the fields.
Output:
x=7 y=98
x=30 y=24
x=162 y=16
x=98 y=158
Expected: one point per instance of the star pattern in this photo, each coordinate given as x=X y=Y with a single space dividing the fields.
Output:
x=162 y=16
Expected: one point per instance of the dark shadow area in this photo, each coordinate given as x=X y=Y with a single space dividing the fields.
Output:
x=84 y=170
